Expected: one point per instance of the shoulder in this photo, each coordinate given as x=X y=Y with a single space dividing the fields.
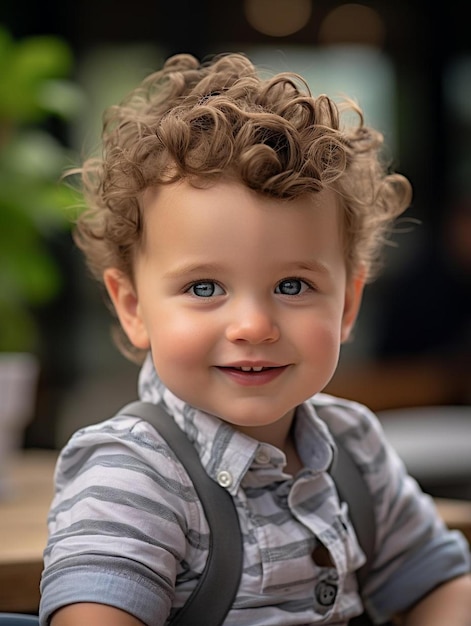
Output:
x=359 y=431
x=121 y=474
x=349 y=421
x=118 y=452
x=346 y=410
x=123 y=432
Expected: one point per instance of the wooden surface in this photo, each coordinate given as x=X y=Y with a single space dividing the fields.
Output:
x=23 y=531
x=457 y=514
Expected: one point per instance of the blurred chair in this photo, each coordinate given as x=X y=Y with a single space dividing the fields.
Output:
x=18 y=619
x=435 y=444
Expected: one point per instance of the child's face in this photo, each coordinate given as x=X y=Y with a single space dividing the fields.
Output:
x=243 y=300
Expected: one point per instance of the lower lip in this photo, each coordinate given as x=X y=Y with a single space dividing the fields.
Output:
x=252 y=379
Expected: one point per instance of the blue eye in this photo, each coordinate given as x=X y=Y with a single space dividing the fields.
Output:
x=291 y=287
x=206 y=289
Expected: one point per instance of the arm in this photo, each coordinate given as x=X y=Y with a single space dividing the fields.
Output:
x=417 y=557
x=448 y=604
x=93 y=615
x=105 y=543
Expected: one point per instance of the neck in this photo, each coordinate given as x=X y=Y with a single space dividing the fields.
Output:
x=277 y=433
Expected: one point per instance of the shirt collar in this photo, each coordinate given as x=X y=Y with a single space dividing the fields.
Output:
x=314 y=441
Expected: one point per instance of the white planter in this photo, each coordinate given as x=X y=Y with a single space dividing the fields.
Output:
x=19 y=373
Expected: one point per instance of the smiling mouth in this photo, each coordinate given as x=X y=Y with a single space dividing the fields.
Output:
x=251 y=369
x=253 y=375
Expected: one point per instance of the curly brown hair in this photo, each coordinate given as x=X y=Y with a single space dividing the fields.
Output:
x=222 y=120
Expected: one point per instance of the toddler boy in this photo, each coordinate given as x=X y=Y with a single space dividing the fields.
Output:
x=234 y=222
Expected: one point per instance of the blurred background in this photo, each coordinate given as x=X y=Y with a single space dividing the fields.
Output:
x=409 y=66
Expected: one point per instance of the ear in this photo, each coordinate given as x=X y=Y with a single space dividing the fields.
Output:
x=126 y=303
x=353 y=296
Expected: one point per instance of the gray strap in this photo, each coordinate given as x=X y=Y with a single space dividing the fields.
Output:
x=217 y=587
x=352 y=489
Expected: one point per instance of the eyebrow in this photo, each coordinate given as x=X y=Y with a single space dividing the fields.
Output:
x=193 y=268
x=311 y=265
x=208 y=269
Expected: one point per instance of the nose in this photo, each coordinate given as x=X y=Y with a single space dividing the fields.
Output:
x=253 y=323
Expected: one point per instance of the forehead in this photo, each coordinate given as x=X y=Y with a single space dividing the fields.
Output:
x=180 y=213
x=230 y=197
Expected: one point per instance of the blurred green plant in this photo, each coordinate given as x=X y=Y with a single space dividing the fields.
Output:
x=34 y=204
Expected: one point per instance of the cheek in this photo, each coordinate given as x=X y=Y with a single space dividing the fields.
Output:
x=320 y=341
x=180 y=352
x=176 y=342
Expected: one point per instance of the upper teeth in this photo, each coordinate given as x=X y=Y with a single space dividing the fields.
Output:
x=251 y=369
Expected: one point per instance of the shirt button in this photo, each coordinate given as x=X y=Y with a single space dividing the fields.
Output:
x=224 y=478
x=262 y=456
x=326 y=593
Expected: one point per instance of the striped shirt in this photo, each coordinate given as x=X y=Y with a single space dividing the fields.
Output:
x=127 y=529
